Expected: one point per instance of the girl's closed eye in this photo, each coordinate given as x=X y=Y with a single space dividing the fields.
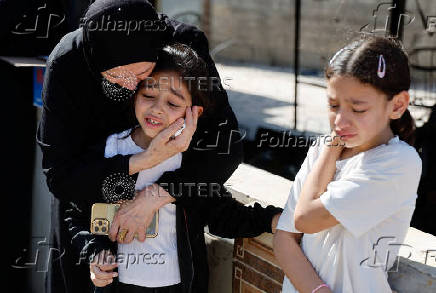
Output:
x=175 y=105
x=359 y=111
x=147 y=96
x=147 y=93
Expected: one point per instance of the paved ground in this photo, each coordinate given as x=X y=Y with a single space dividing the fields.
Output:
x=262 y=96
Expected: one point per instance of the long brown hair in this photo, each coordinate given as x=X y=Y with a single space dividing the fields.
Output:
x=360 y=59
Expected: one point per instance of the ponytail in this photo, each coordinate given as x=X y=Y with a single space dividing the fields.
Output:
x=404 y=127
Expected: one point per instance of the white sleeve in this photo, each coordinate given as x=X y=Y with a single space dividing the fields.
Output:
x=384 y=183
x=286 y=220
x=111 y=148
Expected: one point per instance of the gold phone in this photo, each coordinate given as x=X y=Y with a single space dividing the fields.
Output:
x=102 y=215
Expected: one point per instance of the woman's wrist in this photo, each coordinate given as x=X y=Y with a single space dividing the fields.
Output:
x=155 y=197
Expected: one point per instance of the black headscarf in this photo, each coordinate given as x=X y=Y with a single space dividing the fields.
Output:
x=120 y=32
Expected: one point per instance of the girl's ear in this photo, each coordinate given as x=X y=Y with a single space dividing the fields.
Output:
x=400 y=103
x=200 y=110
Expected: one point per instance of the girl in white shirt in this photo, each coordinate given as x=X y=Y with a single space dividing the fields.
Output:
x=161 y=100
x=160 y=264
x=352 y=200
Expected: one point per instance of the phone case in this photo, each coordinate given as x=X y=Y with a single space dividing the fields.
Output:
x=102 y=215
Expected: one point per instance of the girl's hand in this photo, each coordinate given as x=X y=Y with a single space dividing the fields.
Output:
x=163 y=146
x=335 y=146
x=101 y=269
x=335 y=141
x=136 y=215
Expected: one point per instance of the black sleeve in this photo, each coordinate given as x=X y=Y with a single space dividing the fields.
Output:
x=216 y=147
x=73 y=170
x=233 y=220
x=227 y=217
x=86 y=245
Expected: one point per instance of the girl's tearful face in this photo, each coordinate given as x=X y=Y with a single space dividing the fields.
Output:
x=161 y=100
x=358 y=112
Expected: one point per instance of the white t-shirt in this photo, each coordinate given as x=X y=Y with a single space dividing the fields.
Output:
x=154 y=262
x=373 y=197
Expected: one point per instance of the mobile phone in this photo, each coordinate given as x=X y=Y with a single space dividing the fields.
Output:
x=102 y=216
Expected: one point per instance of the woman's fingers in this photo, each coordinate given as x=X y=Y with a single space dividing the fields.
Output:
x=101 y=278
x=105 y=260
x=138 y=215
x=101 y=283
x=129 y=237
x=108 y=267
x=141 y=234
x=135 y=220
x=113 y=231
x=190 y=120
x=181 y=143
x=167 y=133
x=102 y=275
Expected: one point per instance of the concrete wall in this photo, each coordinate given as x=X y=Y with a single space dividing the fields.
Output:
x=263 y=31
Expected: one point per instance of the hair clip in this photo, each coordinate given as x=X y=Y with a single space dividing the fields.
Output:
x=336 y=55
x=381 y=71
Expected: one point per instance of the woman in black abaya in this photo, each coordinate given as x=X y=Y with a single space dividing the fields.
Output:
x=81 y=109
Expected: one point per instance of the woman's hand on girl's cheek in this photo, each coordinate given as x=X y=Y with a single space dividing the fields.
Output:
x=191 y=119
x=163 y=146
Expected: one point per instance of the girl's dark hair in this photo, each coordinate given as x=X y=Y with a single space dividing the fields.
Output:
x=192 y=69
x=360 y=59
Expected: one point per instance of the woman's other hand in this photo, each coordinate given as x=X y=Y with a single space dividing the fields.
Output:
x=135 y=216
